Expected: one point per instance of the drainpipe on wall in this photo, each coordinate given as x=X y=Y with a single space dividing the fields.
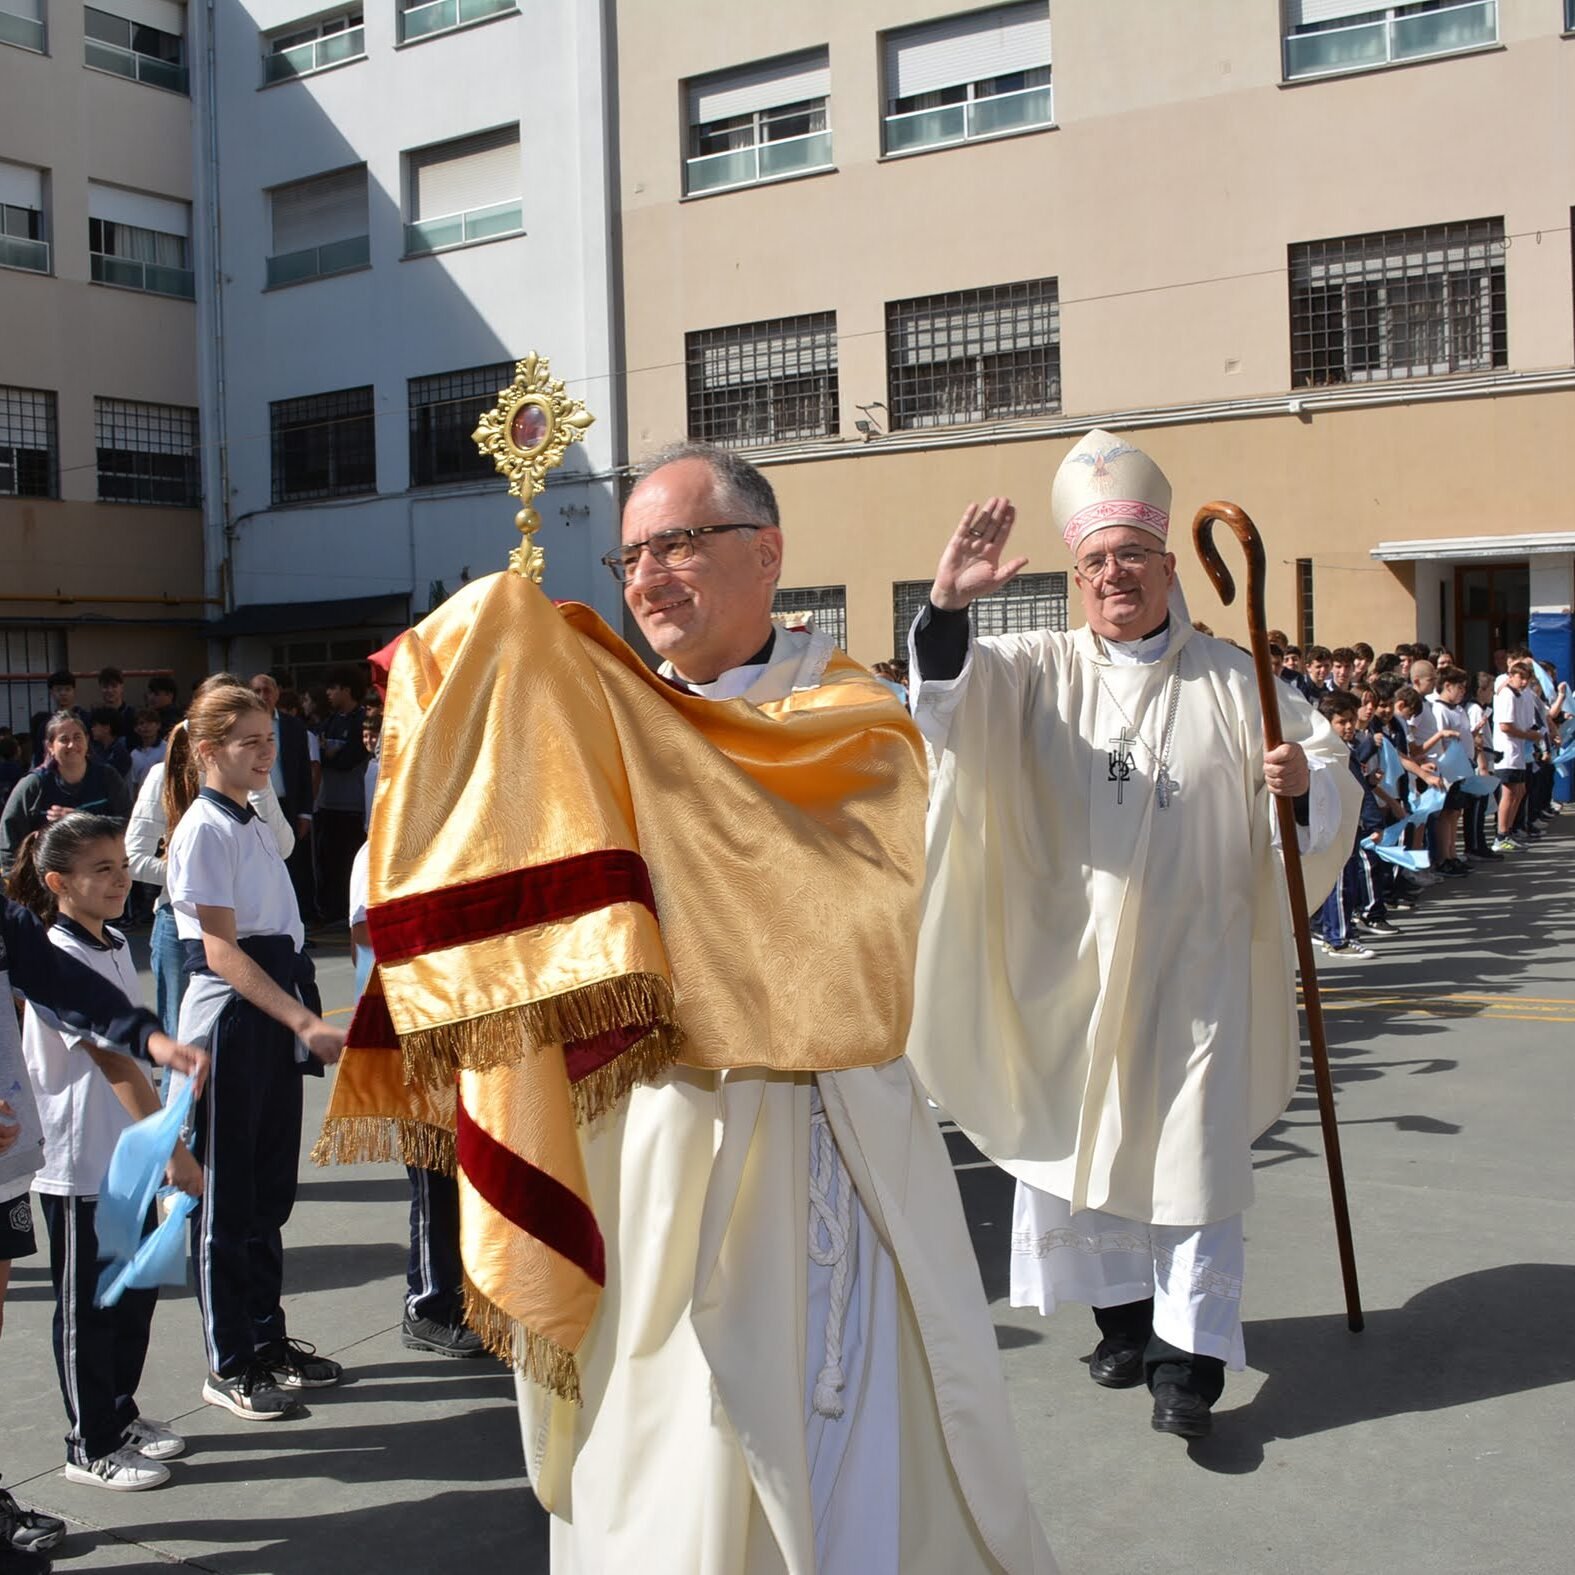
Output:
x=215 y=238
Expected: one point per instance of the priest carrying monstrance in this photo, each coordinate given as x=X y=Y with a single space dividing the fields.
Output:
x=1106 y=995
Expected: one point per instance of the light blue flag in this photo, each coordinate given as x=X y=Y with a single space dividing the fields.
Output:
x=1478 y=787
x=1390 y=765
x=1425 y=807
x=136 y=1173
x=160 y=1260
x=1544 y=681
x=1454 y=764
x=1404 y=857
x=1566 y=754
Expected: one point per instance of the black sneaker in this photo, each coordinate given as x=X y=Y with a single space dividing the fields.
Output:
x=252 y=1394
x=28 y=1530
x=296 y=1365
x=1379 y=927
x=446 y=1339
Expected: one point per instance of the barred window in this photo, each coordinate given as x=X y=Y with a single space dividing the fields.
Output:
x=974 y=355
x=147 y=453
x=1304 y=602
x=444 y=410
x=324 y=446
x=29 y=655
x=1399 y=304
x=1031 y=601
x=29 y=444
x=828 y=604
x=772 y=382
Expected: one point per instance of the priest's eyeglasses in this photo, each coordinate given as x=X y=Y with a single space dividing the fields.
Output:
x=670 y=548
x=1130 y=560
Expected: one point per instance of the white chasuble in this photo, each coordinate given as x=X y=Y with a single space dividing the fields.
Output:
x=1106 y=1001
x=699 y=1449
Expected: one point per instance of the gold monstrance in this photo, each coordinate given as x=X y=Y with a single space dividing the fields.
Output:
x=527 y=433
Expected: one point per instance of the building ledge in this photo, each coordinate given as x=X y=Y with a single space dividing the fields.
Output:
x=1476 y=548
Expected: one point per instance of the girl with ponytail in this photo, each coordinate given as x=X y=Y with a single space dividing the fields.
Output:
x=166 y=792
x=252 y=1000
x=74 y=876
x=67 y=993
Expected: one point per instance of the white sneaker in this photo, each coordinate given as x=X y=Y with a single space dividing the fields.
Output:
x=154 y=1440
x=125 y=1471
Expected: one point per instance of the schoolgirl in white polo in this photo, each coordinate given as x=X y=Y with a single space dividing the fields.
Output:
x=74 y=874
x=252 y=1001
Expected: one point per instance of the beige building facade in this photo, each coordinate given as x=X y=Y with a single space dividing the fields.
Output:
x=100 y=518
x=903 y=255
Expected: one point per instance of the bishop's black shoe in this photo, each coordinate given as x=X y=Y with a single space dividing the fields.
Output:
x=1180 y=1411
x=1116 y=1366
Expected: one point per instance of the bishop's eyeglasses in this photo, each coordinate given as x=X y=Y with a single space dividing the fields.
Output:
x=1130 y=560
x=670 y=548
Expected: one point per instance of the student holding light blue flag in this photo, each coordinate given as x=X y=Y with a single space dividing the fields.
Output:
x=75 y=873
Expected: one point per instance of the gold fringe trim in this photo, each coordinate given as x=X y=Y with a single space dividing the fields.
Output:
x=435 y=1056
x=644 y=1060
x=533 y=1356
x=365 y=1140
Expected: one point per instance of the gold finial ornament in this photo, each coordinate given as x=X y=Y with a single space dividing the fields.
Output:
x=527 y=433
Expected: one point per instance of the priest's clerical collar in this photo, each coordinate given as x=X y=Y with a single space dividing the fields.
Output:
x=1150 y=648
x=760 y=659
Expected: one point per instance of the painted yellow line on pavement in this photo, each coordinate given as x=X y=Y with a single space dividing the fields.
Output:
x=339 y=1011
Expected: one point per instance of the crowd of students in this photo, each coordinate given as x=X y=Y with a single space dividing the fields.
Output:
x=1457 y=769
x=207 y=837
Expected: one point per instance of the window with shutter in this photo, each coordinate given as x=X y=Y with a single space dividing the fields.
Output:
x=22 y=24
x=139 y=242
x=986 y=74
x=319 y=227
x=760 y=122
x=142 y=40
x=1323 y=37
x=826 y=607
x=464 y=191
x=23 y=241
x=422 y=18
x=305 y=47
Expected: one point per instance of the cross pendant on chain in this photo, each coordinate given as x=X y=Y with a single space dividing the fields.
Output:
x=1120 y=762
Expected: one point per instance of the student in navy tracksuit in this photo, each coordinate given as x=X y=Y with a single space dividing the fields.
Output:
x=252 y=1000
x=434 y=1317
x=79 y=999
x=75 y=875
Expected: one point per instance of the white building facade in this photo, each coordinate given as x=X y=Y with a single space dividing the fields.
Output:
x=396 y=202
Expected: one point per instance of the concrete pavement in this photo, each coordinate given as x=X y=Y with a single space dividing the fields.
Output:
x=1438 y=1441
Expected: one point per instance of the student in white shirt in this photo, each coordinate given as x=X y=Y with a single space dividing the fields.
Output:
x=75 y=876
x=252 y=1000
x=1514 y=735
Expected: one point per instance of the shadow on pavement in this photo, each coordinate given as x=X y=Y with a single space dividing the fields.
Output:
x=1497 y=1332
x=427 y=1532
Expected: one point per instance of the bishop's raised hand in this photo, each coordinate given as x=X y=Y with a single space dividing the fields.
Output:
x=970 y=565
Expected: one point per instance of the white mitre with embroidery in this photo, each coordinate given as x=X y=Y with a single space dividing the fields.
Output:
x=1106 y=481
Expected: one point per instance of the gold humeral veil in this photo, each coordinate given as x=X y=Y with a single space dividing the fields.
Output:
x=579 y=875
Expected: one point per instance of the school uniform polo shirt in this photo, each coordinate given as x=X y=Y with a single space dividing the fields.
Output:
x=223 y=856
x=81 y=1117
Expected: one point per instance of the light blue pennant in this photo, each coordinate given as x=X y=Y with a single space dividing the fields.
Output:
x=134 y=1179
x=1390 y=765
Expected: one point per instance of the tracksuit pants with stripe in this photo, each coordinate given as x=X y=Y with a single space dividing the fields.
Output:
x=99 y=1351
x=434 y=1280
x=248 y=1142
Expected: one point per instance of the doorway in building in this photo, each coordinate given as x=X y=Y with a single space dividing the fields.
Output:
x=1492 y=611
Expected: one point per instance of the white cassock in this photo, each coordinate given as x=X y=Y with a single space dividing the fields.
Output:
x=1106 y=1001
x=781 y=1248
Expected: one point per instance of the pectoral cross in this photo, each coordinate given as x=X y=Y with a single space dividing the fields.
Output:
x=1119 y=769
